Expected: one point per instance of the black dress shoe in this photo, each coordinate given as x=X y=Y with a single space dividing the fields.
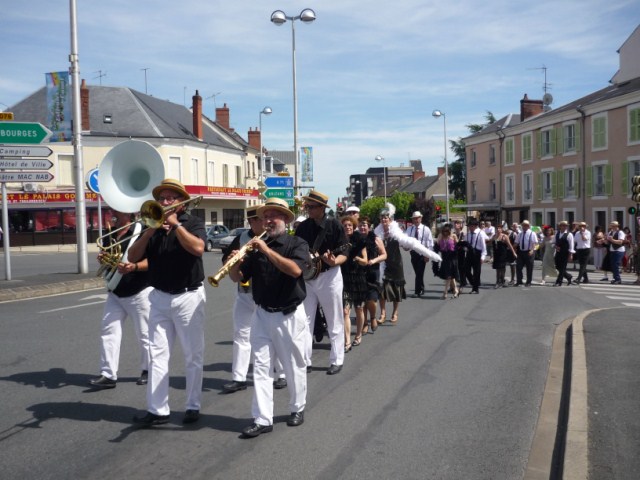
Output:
x=151 y=419
x=234 y=386
x=333 y=369
x=191 y=416
x=474 y=291
x=102 y=382
x=519 y=284
x=280 y=383
x=295 y=419
x=255 y=430
x=528 y=284
x=144 y=378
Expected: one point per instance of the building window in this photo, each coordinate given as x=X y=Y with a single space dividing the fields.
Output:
x=508 y=151
x=527 y=154
x=474 y=192
x=65 y=170
x=599 y=133
x=527 y=187
x=634 y=125
x=599 y=181
x=239 y=176
x=546 y=147
x=570 y=183
x=225 y=175
x=492 y=189
x=548 y=185
x=509 y=188
x=492 y=154
x=211 y=173
x=194 y=172
x=473 y=158
x=174 y=168
x=569 y=137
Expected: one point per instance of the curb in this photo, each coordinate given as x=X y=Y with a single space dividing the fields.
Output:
x=21 y=293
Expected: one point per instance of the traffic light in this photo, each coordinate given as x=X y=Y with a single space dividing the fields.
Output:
x=340 y=208
x=635 y=189
x=439 y=218
x=631 y=210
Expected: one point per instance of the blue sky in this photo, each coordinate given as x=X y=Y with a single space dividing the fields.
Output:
x=369 y=72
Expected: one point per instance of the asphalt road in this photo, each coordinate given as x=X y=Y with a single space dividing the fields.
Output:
x=452 y=391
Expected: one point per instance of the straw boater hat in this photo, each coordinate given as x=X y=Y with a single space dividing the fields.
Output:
x=317 y=197
x=276 y=204
x=173 y=185
x=563 y=222
x=525 y=222
x=252 y=212
x=583 y=224
x=416 y=214
x=352 y=209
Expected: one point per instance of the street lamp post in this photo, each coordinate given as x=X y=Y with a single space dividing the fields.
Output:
x=358 y=192
x=380 y=158
x=265 y=111
x=278 y=18
x=438 y=114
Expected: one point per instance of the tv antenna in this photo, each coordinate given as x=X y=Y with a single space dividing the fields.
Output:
x=100 y=75
x=214 y=98
x=547 y=98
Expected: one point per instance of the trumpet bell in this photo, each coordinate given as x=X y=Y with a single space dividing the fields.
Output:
x=152 y=214
x=128 y=174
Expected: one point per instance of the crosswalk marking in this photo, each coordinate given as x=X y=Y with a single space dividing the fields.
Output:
x=625 y=293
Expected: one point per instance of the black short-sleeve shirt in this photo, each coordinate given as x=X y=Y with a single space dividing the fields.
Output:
x=133 y=282
x=271 y=287
x=171 y=267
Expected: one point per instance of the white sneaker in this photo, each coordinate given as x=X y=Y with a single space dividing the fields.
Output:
x=543 y=282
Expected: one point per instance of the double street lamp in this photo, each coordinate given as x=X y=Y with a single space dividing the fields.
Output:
x=438 y=114
x=380 y=158
x=278 y=18
x=265 y=111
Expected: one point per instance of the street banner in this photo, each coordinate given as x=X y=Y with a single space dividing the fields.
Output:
x=59 y=110
x=307 y=164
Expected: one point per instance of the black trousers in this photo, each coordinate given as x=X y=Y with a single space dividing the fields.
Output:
x=582 y=255
x=462 y=269
x=524 y=260
x=418 y=264
x=473 y=264
x=561 y=260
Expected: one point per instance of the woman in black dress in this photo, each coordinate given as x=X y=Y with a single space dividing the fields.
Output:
x=354 y=277
x=503 y=254
x=448 y=269
x=376 y=254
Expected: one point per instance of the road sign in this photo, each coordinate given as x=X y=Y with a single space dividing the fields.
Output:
x=279 y=182
x=92 y=180
x=21 y=151
x=25 y=177
x=23 y=132
x=28 y=164
x=279 y=193
x=6 y=116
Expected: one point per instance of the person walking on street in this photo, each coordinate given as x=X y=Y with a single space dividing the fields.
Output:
x=615 y=240
x=476 y=253
x=564 y=252
x=526 y=242
x=422 y=234
x=503 y=252
x=582 y=241
x=279 y=323
x=548 y=254
x=174 y=253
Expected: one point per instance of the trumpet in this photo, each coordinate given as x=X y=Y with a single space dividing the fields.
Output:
x=152 y=215
x=224 y=270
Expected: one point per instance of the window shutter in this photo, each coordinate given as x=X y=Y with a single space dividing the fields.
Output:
x=561 y=174
x=589 y=181
x=554 y=186
x=539 y=186
x=576 y=182
x=554 y=144
x=559 y=143
x=578 y=136
x=539 y=143
x=625 y=177
x=608 y=172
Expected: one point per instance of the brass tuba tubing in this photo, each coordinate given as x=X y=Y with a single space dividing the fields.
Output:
x=214 y=280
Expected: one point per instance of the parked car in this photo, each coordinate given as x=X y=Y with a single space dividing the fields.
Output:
x=226 y=241
x=215 y=233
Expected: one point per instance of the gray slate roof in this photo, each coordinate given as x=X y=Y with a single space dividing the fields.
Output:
x=420 y=185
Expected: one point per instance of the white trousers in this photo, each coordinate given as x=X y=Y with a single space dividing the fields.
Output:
x=284 y=336
x=174 y=316
x=327 y=291
x=116 y=311
x=243 y=310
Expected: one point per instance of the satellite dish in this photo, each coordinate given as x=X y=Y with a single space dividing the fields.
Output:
x=547 y=99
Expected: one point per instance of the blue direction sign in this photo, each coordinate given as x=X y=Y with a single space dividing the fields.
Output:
x=278 y=182
x=92 y=180
x=23 y=132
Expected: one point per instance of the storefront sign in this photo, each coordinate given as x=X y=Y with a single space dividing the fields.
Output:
x=222 y=192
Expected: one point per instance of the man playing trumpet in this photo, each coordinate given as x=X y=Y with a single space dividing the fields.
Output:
x=128 y=298
x=174 y=253
x=278 y=325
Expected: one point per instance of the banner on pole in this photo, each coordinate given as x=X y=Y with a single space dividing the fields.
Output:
x=59 y=111
x=307 y=164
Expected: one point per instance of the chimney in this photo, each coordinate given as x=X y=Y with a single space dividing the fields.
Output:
x=530 y=108
x=416 y=175
x=440 y=171
x=222 y=117
x=197 y=115
x=254 y=138
x=84 y=106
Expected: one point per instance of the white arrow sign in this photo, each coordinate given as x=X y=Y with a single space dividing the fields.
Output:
x=24 y=151
x=26 y=164
x=25 y=177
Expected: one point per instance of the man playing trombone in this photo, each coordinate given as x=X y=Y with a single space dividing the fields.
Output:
x=128 y=297
x=174 y=253
x=278 y=325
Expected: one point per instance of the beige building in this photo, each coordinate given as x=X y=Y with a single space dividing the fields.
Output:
x=573 y=163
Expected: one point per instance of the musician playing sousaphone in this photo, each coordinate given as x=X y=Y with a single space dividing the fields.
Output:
x=327 y=239
x=128 y=297
x=174 y=251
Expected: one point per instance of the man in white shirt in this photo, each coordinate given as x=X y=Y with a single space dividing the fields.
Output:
x=423 y=234
x=526 y=242
x=490 y=232
x=582 y=240
x=476 y=253
x=564 y=252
